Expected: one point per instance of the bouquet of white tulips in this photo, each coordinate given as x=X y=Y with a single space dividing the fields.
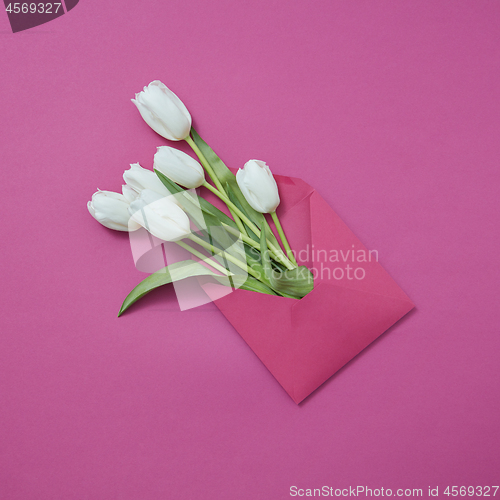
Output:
x=239 y=250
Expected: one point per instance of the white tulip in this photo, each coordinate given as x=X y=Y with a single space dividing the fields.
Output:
x=163 y=111
x=160 y=216
x=139 y=178
x=129 y=193
x=258 y=186
x=179 y=167
x=111 y=210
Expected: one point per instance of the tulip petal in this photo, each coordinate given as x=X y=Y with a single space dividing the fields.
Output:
x=161 y=216
x=163 y=111
x=179 y=167
x=111 y=210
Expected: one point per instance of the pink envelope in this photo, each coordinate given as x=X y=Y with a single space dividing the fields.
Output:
x=304 y=342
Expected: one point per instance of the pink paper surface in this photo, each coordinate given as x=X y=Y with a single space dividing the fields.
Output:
x=389 y=109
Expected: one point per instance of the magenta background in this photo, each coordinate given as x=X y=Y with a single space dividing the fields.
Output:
x=390 y=109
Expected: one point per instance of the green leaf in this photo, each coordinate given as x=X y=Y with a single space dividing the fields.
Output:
x=207 y=218
x=182 y=270
x=254 y=285
x=297 y=282
x=227 y=177
x=212 y=215
x=170 y=185
x=232 y=196
x=223 y=173
x=174 y=272
x=294 y=283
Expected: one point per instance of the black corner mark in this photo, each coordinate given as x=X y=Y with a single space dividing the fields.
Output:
x=70 y=4
x=28 y=14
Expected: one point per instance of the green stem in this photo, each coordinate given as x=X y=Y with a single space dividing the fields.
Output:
x=204 y=258
x=233 y=207
x=254 y=244
x=283 y=237
x=213 y=176
x=204 y=162
x=277 y=252
x=229 y=257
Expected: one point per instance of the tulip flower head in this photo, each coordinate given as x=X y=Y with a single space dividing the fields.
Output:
x=129 y=193
x=111 y=210
x=179 y=167
x=258 y=186
x=160 y=215
x=139 y=178
x=163 y=111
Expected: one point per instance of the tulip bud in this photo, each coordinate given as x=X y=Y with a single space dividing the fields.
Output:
x=163 y=111
x=179 y=167
x=258 y=186
x=160 y=216
x=111 y=210
x=139 y=178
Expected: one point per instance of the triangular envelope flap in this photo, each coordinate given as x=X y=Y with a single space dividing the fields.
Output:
x=264 y=323
x=292 y=190
x=331 y=326
x=333 y=239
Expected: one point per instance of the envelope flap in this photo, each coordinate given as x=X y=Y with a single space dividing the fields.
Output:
x=336 y=253
x=292 y=190
x=331 y=326
x=297 y=221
